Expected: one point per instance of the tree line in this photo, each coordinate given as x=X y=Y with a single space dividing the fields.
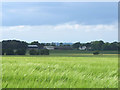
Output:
x=16 y=47
x=98 y=45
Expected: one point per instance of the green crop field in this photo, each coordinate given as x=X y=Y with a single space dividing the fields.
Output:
x=73 y=70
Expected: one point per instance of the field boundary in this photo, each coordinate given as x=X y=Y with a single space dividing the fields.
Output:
x=60 y=89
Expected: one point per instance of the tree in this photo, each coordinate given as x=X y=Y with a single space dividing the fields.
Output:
x=114 y=46
x=61 y=44
x=47 y=44
x=12 y=45
x=97 y=45
x=106 y=46
x=44 y=52
x=95 y=52
x=76 y=45
x=118 y=47
x=33 y=52
x=9 y=52
x=40 y=45
x=3 y=51
x=20 y=52
x=53 y=44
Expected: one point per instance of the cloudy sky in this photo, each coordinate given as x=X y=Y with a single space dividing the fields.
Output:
x=60 y=21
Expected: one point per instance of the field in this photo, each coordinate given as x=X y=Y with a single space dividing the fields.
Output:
x=68 y=70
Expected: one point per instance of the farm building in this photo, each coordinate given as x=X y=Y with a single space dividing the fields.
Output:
x=35 y=47
x=49 y=47
x=83 y=48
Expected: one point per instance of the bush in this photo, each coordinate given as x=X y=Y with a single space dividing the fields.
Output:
x=44 y=52
x=95 y=52
x=3 y=52
x=20 y=52
x=33 y=52
x=9 y=52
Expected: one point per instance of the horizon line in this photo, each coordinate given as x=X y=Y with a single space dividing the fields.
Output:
x=59 y=41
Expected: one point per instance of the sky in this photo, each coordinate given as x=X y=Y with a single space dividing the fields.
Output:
x=60 y=21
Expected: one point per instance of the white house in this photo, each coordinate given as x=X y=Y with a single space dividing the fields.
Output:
x=83 y=48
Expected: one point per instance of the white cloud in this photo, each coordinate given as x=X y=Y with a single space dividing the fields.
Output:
x=67 y=32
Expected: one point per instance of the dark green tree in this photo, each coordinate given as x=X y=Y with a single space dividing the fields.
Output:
x=97 y=45
x=76 y=45
x=40 y=45
x=95 y=52
x=44 y=52
x=9 y=52
x=33 y=52
x=20 y=52
x=61 y=44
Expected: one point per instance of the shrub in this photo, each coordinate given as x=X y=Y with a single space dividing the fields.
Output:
x=20 y=52
x=3 y=52
x=95 y=52
x=9 y=52
x=44 y=52
x=33 y=52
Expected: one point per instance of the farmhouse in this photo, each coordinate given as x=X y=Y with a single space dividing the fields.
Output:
x=49 y=47
x=83 y=48
x=35 y=47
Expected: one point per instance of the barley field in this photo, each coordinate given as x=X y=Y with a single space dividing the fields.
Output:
x=54 y=71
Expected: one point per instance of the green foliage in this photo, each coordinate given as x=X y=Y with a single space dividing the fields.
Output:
x=97 y=45
x=34 y=52
x=9 y=52
x=9 y=46
x=95 y=52
x=20 y=52
x=12 y=45
x=3 y=52
x=39 y=52
x=76 y=45
x=44 y=52
x=40 y=45
x=61 y=44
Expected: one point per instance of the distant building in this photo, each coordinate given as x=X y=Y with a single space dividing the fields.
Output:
x=49 y=47
x=83 y=48
x=63 y=47
x=35 y=47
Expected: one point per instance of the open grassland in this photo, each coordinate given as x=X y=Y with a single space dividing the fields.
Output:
x=63 y=52
x=70 y=71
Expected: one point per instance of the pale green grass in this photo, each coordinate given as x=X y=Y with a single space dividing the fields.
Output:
x=60 y=72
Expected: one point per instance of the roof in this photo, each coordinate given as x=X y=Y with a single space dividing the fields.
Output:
x=49 y=46
x=32 y=46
